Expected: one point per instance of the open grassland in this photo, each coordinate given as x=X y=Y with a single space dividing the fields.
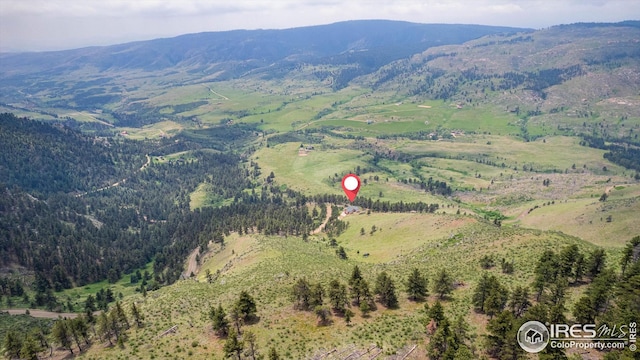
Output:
x=557 y=153
x=396 y=235
x=373 y=115
x=237 y=253
x=309 y=174
x=157 y=130
x=588 y=218
x=202 y=197
x=313 y=173
x=267 y=267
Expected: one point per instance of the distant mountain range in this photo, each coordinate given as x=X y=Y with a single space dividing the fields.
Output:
x=257 y=48
x=560 y=74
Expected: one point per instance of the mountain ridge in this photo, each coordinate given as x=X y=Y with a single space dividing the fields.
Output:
x=264 y=46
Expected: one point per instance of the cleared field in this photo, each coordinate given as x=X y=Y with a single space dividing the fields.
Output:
x=314 y=173
x=238 y=252
x=587 y=218
x=201 y=197
x=557 y=153
x=309 y=174
x=397 y=234
x=160 y=129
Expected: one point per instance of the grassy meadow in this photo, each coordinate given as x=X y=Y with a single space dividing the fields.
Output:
x=268 y=267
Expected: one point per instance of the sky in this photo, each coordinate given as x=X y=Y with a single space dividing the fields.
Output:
x=42 y=25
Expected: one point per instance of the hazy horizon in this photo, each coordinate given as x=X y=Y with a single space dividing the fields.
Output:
x=41 y=25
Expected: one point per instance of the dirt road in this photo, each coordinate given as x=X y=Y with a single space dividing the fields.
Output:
x=192 y=264
x=324 y=223
x=147 y=163
x=41 y=313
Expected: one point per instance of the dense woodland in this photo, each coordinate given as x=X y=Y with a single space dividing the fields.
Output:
x=85 y=230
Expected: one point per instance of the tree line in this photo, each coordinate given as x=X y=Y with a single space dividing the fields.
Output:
x=610 y=298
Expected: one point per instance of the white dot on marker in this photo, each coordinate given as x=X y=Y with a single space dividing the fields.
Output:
x=351 y=183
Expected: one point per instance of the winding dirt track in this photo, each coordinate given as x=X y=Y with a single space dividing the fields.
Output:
x=192 y=264
x=324 y=223
x=41 y=313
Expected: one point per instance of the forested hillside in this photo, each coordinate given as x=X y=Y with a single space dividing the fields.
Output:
x=191 y=190
x=144 y=215
x=45 y=159
x=88 y=208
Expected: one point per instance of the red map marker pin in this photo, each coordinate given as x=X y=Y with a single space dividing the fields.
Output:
x=351 y=186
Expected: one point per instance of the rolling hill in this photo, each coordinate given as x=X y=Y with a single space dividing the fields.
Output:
x=489 y=156
x=255 y=47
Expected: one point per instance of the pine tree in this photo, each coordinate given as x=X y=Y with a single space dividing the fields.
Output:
x=121 y=316
x=136 y=315
x=80 y=327
x=482 y=292
x=62 y=335
x=246 y=305
x=30 y=349
x=557 y=291
x=443 y=284
x=386 y=291
x=250 y=341
x=236 y=317
x=568 y=257
x=323 y=313
x=502 y=339
x=579 y=267
x=583 y=311
x=359 y=288
x=416 y=285
x=601 y=291
x=440 y=344
x=302 y=294
x=233 y=346
x=497 y=299
x=104 y=327
x=348 y=314
x=74 y=329
x=545 y=272
x=596 y=263
x=219 y=321
x=460 y=330
x=365 y=308
x=12 y=344
x=90 y=304
x=519 y=301
x=338 y=296
x=317 y=293
x=115 y=325
x=356 y=276
x=436 y=313
x=627 y=257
